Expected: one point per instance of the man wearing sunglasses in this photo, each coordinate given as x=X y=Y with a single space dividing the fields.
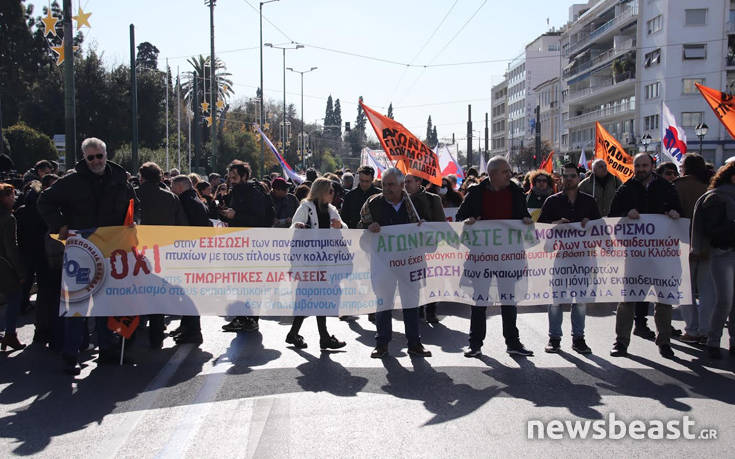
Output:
x=97 y=194
x=568 y=206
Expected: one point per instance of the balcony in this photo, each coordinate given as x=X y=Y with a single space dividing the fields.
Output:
x=601 y=58
x=585 y=39
x=618 y=82
x=602 y=114
x=731 y=27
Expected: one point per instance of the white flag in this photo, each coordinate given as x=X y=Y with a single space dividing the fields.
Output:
x=673 y=138
x=483 y=164
x=582 y=160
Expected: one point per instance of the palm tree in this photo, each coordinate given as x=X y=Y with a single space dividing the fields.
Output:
x=201 y=71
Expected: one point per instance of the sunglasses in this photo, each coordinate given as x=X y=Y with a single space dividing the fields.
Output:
x=571 y=176
x=93 y=157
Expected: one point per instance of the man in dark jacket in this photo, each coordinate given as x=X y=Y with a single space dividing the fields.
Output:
x=248 y=206
x=158 y=207
x=97 y=194
x=495 y=198
x=355 y=199
x=568 y=206
x=190 y=330
x=392 y=207
x=429 y=207
x=645 y=193
x=284 y=203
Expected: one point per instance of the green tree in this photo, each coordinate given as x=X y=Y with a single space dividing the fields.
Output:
x=147 y=56
x=27 y=146
x=390 y=111
x=338 y=119
x=434 y=137
x=329 y=117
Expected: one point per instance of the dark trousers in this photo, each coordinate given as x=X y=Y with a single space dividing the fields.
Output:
x=478 y=325
x=156 y=326
x=641 y=311
x=321 y=324
x=191 y=325
x=49 y=326
x=76 y=334
x=384 y=326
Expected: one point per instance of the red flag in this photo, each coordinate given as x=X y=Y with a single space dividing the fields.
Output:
x=412 y=156
x=129 y=214
x=123 y=325
x=548 y=164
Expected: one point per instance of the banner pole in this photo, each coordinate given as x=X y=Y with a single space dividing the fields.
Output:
x=122 y=350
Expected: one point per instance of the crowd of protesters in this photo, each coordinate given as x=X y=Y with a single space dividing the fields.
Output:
x=97 y=193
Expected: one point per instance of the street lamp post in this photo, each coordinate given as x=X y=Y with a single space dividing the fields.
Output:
x=262 y=151
x=283 y=48
x=701 y=131
x=302 y=110
x=645 y=141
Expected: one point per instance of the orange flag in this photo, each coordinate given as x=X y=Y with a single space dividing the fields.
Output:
x=123 y=325
x=620 y=163
x=129 y=214
x=548 y=164
x=411 y=155
x=722 y=104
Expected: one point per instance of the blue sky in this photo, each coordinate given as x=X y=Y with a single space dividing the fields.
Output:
x=405 y=31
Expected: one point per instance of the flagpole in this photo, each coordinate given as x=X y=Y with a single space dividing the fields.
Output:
x=122 y=350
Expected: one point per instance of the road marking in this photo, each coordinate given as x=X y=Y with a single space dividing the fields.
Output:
x=129 y=421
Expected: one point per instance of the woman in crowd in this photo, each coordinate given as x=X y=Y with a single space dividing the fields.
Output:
x=542 y=187
x=713 y=237
x=11 y=270
x=204 y=190
x=316 y=212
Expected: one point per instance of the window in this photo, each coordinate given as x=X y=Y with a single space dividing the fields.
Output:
x=653 y=90
x=698 y=51
x=691 y=119
x=697 y=17
x=654 y=57
x=655 y=24
x=650 y=122
x=688 y=85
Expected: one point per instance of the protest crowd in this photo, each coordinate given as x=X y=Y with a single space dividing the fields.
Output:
x=42 y=202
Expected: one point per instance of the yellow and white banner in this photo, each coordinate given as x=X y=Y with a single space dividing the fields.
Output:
x=137 y=270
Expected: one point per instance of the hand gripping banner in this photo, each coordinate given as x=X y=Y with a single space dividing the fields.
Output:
x=138 y=270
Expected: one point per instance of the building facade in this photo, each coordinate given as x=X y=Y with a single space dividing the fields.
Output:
x=498 y=119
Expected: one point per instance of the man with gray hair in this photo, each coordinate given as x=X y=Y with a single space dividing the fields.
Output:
x=392 y=207
x=97 y=195
x=495 y=198
x=601 y=185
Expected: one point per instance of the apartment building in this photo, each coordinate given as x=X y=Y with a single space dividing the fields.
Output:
x=624 y=59
x=498 y=118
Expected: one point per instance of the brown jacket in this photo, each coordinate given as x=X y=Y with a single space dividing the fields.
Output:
x=689 y=189
x=428 y=205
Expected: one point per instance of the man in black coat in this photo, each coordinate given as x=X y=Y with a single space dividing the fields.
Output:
x=158 y=206
x=645 y=193
x=248 y=206
x=495 y=198
x=97 y=194
x=355 y=199
x=190 y=330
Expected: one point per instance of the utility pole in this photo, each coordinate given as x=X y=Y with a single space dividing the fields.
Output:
x=469 y=135
x=262 y=91
x=197 y=123
x=70 y=135
x=538 y=132
x=487 y=135
x=212 y=82
x=165 y=82
x=303 y=144
x=133 y=98
x=178 y=117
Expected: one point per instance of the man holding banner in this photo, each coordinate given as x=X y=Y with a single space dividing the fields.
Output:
x=495 y=198
x=645 y=193
x=97 y=194
x=392 y=207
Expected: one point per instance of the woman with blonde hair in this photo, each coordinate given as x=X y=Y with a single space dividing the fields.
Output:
x=316 y=212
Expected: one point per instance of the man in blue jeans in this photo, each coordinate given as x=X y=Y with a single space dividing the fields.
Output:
x=392 y=207
x=568 y=206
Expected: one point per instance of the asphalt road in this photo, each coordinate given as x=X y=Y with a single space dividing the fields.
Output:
x=251 y=395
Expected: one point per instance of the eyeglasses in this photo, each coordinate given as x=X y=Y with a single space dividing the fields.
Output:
x=570 y=176
x=93 y=157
